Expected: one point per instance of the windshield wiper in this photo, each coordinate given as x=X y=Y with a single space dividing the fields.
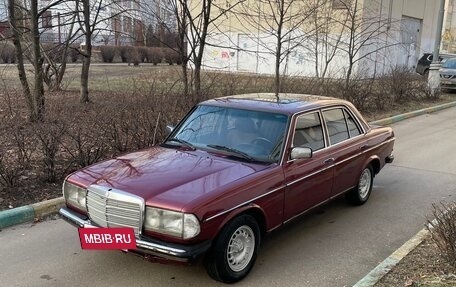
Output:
x=183 y=142
x=234 y=151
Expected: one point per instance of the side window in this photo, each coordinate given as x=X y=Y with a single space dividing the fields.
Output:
x=337 y=128
x=352 y=127
x=308 y=132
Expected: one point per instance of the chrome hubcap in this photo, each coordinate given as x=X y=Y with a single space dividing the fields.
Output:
x=240 y=248
x=364 y=184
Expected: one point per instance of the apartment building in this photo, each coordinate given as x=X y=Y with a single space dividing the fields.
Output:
x=118 y=22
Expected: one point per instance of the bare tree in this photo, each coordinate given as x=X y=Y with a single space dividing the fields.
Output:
x=179 y=14
x=365 y=32
x=87 y=29
x=16 y=18
x=25 y=17
x=281 y=26
x=37 y=62
x=195 y=20
x=56 y=56
x=326 y=37
x=89 y=19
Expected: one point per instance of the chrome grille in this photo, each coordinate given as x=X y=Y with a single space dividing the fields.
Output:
x=108 y=207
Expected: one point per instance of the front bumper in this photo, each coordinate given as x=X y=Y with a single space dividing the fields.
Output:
x=147 y=245
x=447 y=83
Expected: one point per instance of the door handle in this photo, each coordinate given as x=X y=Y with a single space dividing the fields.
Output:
x=329 y=161
x=363 y=147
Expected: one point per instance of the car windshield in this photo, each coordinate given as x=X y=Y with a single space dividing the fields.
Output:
x=242 y=134
x=449 y=64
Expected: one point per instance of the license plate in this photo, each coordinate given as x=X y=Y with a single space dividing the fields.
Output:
x=107 y=238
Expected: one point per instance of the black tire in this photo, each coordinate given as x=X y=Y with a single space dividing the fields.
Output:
x=360 y=194
x=217 y=262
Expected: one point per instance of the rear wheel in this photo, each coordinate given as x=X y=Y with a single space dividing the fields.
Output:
x=234 y=251
x=360 y=194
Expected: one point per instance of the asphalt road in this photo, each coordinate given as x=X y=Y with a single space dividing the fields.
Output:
x=336 y=246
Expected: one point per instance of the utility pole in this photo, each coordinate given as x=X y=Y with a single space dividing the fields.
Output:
x=434 y=75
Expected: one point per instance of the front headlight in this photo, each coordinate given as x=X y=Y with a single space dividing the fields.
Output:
x=172 y=223
x=74 y=195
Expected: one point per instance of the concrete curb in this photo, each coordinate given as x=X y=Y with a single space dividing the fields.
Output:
x=398 y=118
x=30 y=212
x=384 y=267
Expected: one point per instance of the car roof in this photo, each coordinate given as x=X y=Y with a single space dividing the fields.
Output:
x=284 y=103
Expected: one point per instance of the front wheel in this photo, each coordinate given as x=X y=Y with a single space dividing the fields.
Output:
x=360 y=194
x=234 y=251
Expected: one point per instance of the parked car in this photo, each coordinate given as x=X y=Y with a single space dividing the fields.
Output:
x=448 y=74
x=232 y=170
x=422 y=67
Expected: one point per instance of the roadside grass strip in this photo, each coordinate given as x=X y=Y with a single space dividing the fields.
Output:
x=398 y=118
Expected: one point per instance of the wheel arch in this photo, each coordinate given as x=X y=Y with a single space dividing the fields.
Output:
x=253 y=210
x=375 y=163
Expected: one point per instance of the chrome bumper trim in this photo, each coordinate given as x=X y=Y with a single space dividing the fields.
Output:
x=171 y=251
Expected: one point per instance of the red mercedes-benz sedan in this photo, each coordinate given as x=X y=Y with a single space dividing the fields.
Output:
x=232 y=170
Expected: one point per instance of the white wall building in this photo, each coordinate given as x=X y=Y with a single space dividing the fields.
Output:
x=406 y=29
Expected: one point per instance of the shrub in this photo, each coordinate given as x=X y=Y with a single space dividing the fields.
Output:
x=123 y=52
x=16 y=158
x=400 y=84
x=108 y=53
x=49 y=135
x=142 y=52
x=154 y=55
x=85 y=143
x=74 y=53
x=10 y=170
x=171 y=56
x=133 y=55
x=443 y=230
x=8 y=53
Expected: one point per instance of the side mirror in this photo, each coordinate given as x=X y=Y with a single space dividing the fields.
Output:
x=169 y=129
x=301 y=152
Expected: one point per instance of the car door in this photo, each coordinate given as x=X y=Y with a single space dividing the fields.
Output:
x=346 y=147
x=309 y=180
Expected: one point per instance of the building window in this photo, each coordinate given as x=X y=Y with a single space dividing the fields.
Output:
x=115 y=23
x=46 y=19
x=341 y=4
x=127 y=25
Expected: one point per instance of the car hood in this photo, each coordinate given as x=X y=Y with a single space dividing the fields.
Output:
x=166 y=178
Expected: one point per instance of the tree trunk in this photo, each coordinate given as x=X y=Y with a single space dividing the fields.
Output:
x=182 y=29
x=13 y=16
x=37 y=63
x=277 y=73
x=197 y=82
x=278 y=54
x=185 y=76
x=84 y=97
